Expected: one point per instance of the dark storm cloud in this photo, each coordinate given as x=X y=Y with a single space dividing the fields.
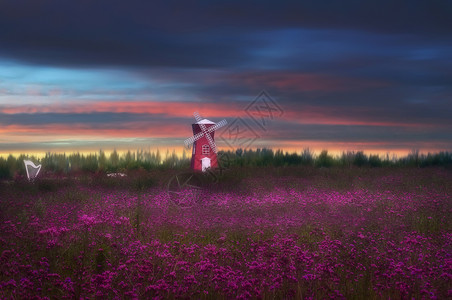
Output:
x=106 y=33
x=192 y=34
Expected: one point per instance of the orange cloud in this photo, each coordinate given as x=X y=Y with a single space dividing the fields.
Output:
x=131 y=129
x=170 y=109
x=332 y=116
x=301 y=114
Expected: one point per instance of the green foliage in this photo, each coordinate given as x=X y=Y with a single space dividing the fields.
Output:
x=76 y=163
x=47 y=185
x=375 y=161
x=100 y=261
x=142 y=181
x=307 y=157
x=135 y=181
x=4 y=169
x=56 y=163
x=324 y=160
x=360 y=159
x=91 y=164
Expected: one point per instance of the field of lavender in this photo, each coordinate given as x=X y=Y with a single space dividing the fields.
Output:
x=263 y=233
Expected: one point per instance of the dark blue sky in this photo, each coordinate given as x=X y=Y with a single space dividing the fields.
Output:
x=356 y=75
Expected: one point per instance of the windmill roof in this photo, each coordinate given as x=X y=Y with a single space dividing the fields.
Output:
x=205 y=121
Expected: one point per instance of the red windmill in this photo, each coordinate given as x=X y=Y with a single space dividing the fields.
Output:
x=204 y=153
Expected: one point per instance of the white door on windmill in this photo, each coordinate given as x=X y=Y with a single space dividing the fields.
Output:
x=205 y=163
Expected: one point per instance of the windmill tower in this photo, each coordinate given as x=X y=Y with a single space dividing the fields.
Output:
x=204 y=153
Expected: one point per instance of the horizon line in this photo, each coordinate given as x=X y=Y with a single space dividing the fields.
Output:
x=180 y=152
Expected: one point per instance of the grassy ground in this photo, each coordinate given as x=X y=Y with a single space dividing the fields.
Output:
x=267 y=233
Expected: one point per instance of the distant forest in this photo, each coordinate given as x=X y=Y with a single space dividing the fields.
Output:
x=60 y=164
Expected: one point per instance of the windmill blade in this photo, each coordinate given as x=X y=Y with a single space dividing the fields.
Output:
x=205 y=132
x=203 y=128
x=218 y=125
x=194 y=138
x=197 y=116
x=199 y=119
x=211 y=143
x=198 y=135
x=189 y=141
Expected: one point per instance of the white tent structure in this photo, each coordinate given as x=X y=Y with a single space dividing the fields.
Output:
x=32 y=169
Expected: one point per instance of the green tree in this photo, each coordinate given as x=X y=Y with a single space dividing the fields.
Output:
x=114 y=160
x=360 y=159
x=103 y=162
x=375 y=161
x=5 y=172
x=324 y=160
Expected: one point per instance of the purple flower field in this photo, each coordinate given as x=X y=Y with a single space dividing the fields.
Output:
x=274 y=234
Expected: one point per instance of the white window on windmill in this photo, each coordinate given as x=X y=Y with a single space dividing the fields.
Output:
x=205 y=149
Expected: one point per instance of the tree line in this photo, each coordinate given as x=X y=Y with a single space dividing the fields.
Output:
x=60 y=164
x=278 y=158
